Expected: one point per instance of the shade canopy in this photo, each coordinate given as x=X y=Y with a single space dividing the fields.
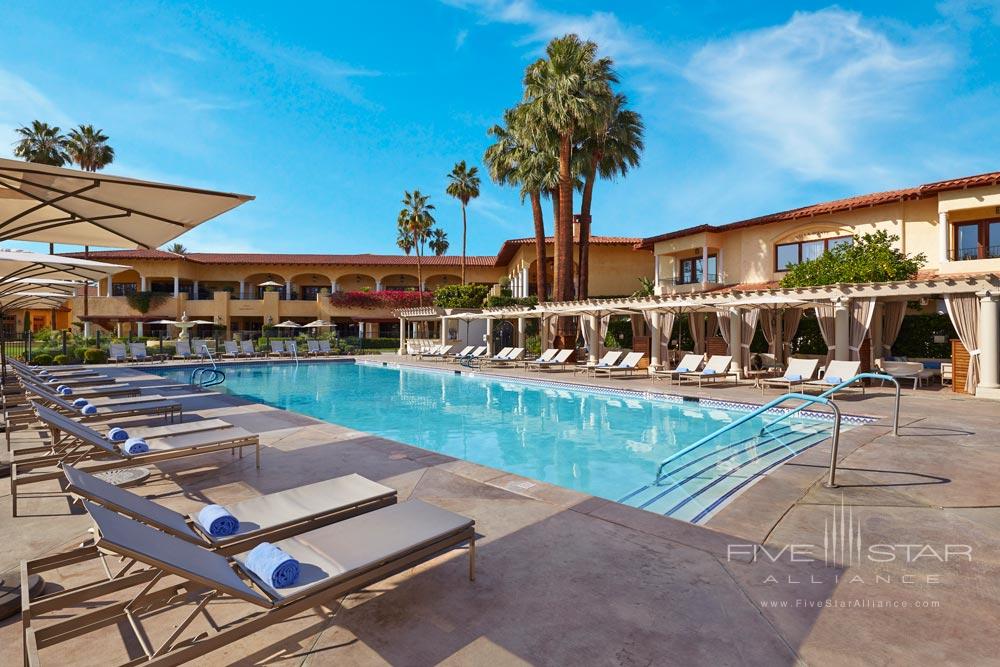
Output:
x=31 y=299
x=57 y=205
x=22 y=264
x=315 y=324
x=270 y=283
x=64 y=287
x=288 y=324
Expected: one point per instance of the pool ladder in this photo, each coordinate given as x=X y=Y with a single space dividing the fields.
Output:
x=822 y=399
x=207 y=376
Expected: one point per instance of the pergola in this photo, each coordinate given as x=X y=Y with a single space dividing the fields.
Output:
x=847 y=313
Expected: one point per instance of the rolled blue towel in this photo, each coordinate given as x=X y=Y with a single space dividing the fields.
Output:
x=708 y=371
x=42 y=373
x=273 y=565
x=680 y=370
x=88 y=409
x=217 y=520
x=793 y=378
x=80 y=402
x=66 y=391
x=832 y=379
x=51 y=381
x=117 y=434
x=135 y=446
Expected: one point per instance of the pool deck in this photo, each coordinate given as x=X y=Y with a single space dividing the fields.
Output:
x=566 y=578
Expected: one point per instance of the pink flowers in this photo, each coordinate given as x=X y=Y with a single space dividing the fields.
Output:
x=387 y=299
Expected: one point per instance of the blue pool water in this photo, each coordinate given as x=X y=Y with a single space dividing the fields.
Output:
x=603 y=444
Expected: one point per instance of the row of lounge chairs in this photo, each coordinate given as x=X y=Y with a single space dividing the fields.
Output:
x=799 y=374
x=345 y=533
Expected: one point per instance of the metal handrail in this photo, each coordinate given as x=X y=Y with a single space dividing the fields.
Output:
x=217 y=376
x=823 y=398
x=806 y=398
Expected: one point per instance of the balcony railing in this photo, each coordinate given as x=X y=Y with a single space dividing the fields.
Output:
x=974 y=252
x=712 y=278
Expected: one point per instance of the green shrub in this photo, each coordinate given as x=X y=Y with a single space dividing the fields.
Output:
x=916 y=338
x=619 y=334
x=42 y=359
x=533 y=345
x=61 y=360
x=460 y=296
x=506 y=301
x=95 y=356
x=808 y=339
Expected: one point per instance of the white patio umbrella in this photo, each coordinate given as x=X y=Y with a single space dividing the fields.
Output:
x=287 y=324
x=270 y=283
x=58 y=205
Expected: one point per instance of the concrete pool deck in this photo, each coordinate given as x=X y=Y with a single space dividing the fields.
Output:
x=565 y=578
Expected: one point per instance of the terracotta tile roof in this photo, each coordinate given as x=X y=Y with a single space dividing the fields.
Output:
x=860 y=201
x=510 y=246
x=280 y=258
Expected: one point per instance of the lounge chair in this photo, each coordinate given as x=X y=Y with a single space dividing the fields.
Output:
x=51 y=370
x=85 y=391
x=499 y=356
x=247 y=348
x=140 y=406
x=610 y=358
x=475 y=354
x=292 y=348
x=799 y=372
x=270 y=517
x=628 y=365
x=689 y=363
x=835 y=373
x=117 y=353
x=73 y=443
x=183 y=350
x=560 y=360
x=335 y=560
x=443 y=352
x=512 y=357
x=312 y=348
x=200 y=348
x=278 y=348
x=466 y=351
x=138 y=352
x=231 y=349
x=324 y=348
x=716 y=368
x=431 y=351
x=904 y=370
x=545 y=356
x=68 y=380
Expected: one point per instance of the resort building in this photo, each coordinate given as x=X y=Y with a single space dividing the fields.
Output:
x=358 y=294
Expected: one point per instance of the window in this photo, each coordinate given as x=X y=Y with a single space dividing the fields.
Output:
x=691 y=270
x=979 y=239
x=790 y=254
x=309 y=292
x=122 y=289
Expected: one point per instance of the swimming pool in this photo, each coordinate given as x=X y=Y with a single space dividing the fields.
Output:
x=598 y=442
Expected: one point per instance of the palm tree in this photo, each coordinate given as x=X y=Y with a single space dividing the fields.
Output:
x=41 y=143
x=439 y=242
x=608 y=151
x=463 y=185
x=415 y=221
x=88 y=147
x=514 y=160
x=565 y=92
x=177 y=249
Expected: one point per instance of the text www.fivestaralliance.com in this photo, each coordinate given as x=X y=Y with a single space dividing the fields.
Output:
x=858 y=603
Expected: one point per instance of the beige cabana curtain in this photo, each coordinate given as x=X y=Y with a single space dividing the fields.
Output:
x=769 y=327
x=547 y=330
x=696 y=325
x=826 y=318
x=595 y=346
x=893 y=313
x=964 y=314
x=860 y=312
x=789 y=327
x=722 y=320
x=748 y=326
x=711 y=323
x=667 y=319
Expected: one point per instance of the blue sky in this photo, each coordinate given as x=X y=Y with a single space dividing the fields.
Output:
x=328 y=112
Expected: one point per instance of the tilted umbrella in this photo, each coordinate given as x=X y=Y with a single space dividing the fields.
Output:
x=57 y=205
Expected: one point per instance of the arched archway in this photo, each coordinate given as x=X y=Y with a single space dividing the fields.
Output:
x=306 y=286
x=533 y=278
x=355 y=282
x=253 y=286
x=400 y=282
x=440 y=280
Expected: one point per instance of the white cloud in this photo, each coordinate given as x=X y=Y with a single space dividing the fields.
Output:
x=807 y=96
x=165 y=91
x=628 y=45
x=460 y=38
x=970 y=13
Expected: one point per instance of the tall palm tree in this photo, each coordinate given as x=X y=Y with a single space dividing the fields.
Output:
x=565 y=93
x=177 y=249
x=415 y=221
x=514 y=159
x=88 y=147
x=463 y=185
x=41 y=143
x=609 y=150
x=439 y=242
